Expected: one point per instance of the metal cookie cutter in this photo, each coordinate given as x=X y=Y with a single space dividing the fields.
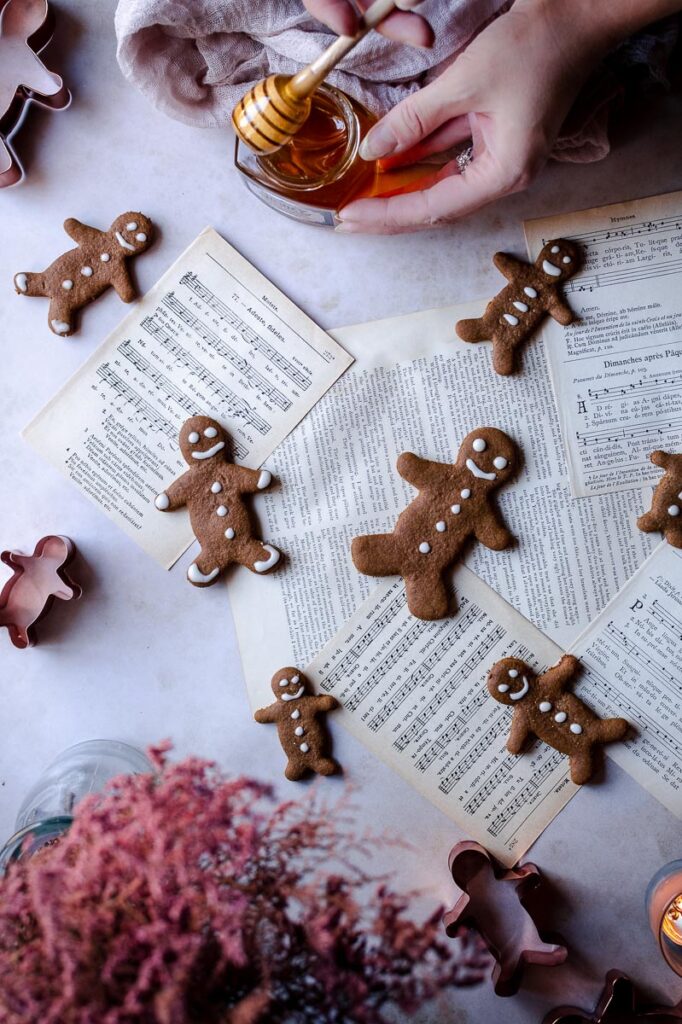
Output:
x=37 y=579
x=493 y=901
x=26 y=27
x=620 y=1003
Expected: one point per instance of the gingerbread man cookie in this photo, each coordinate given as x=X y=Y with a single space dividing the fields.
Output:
x=296 y=711
x=542 y=708
x=665 y=514
x=454 y=504
x=82 y=274
x=212 y=490
x=532 y=293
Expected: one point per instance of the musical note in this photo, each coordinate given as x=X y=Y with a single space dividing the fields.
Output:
x=132 y=397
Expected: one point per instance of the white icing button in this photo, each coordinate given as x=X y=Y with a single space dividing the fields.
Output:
x=221 y=511
x=566 y=259
x=560 y=717
x=521 y=306
x=555 y=249
x=479 y=445
x=132 y=226
x=141 y=237
x=545 y=705
x=67 y=285
x=216 y=488
x=424 y=547
x=229 y=533
x=440 y=526
x=511 y=319
x=503 y=687
x=86 y=271
x=296 y=714
x=500 y=462
x=210 y=432
x=304 y=748
x=673 y=510
x=466 y=493
x=193 y=437
x=513 y=673
x=455 y=509
x=105 y=257
x=299 y=730
x=575 y=728
x=530 y=292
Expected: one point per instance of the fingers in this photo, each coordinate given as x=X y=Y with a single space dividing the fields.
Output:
x=455 y=196
x=339 y=15
x=449 y=134
x=412 y=29
x=412 y=120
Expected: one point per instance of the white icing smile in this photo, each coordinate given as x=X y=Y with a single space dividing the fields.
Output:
x=550 y=269
x=476 y=471
x=294 y=696
x=522 y=692
x=122 y=242
x=210 y=452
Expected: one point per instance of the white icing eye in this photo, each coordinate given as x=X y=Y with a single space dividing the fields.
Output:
x=503 y=687
x=193 y=437
x=466 y=493
x=513 y=673
x=132 y=226
x=141 y=237
x=555 y=249
x=566 y=259
x=479 y=445
x=284 y=682
x=499 y=462
x=295 y=679
x=210 y=432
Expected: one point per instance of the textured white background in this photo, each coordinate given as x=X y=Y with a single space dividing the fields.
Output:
x=144 y=655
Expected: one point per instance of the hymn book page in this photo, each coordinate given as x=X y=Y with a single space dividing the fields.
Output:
x=617 y=371
x=213 y=336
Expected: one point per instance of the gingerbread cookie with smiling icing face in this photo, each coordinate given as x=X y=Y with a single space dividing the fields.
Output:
x=297 y=712
x=213 y=489
x=79 y=276
x=544 y=709
x=665 y=514
x=532 y=293
x=454 y=505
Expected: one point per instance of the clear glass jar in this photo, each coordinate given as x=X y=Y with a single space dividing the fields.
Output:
x=664 y=910
x=47 y=810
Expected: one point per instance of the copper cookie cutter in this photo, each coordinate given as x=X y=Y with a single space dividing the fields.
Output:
x=26 y=28
x=512 y=943
x=37 y=580
x=620 y=1003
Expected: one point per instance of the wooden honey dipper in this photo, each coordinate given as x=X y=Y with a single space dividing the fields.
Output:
x=271 y=113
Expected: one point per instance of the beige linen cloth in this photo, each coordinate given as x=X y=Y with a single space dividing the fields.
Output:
x=194 y=59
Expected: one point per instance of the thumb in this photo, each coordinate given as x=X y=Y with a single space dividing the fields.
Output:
x=412 y=120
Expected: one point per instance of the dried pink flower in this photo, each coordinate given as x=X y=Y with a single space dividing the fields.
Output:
x=189 y=897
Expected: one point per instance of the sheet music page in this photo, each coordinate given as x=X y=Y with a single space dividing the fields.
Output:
x=415 y=386
x=632 y=658
x=617 y=372
x=212 y=336
x=415 y=693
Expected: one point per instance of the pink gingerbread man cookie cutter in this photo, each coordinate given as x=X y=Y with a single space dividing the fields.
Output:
x=26 y=27
x=37 y=580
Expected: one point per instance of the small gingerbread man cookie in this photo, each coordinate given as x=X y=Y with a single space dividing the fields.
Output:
x=212 y=489
x=82 y=274
x=454 y=504
x=297 y=712
x=542 y=708
x=532 y=293
x=665 y=514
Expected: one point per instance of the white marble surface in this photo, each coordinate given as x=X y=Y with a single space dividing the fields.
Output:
x=143 y=655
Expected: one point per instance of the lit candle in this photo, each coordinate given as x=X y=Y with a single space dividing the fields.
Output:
x=664 y=908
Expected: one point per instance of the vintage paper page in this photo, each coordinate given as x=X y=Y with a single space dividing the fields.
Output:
x=415 y=693
x=416 y=387
x=632 y=658
x=617 y=372
x=213 y=336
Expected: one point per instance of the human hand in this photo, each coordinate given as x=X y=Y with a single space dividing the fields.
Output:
x=509 y=91
x=402 y=26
